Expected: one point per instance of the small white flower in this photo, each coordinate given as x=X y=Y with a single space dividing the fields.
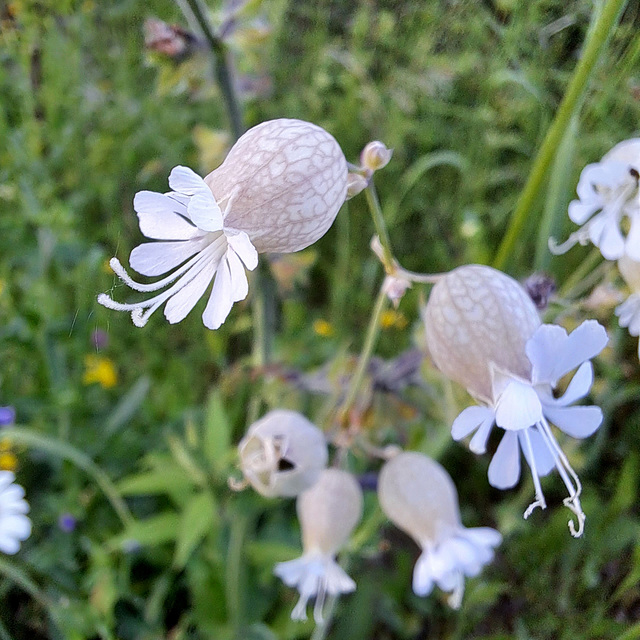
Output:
x=328 y=513
x=15 y=526
x=278 y=190
x=608 y=192
x=524 y=407
x=375 y=156
x=418 y=495
x=282 y=454
x=629 y=311
x=483 y=331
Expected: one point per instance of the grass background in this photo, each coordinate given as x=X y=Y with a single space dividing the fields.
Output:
x=464 y=92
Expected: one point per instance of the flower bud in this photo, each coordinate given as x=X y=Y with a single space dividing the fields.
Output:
x=375 y=156
x=282 y=183
x=419 y=497
x=477 y=319
x=282 y=454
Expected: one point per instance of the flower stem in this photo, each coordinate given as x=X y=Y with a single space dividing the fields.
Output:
x=222 y=64
x=602 y=28
x=367 y=351
x=378 y=221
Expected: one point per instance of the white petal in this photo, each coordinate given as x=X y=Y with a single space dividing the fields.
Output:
x=606 y=235
x=578 y=387
x=182 y=302
x=422 y=579
x=553 y=354
x=518 y=406
x=467 y=560
x=205 y=212
x=632 y=245
x=504 y=470
x=469 y=420
x=239 y=282
x=15 y=526
x=9 y=545
x=482 y=536
x=156 y=258
x=161 y=218
x=478 y=443
x=241 y=244
x=544 y=461
x=185 y=181
x=221 y=300
x=580 y=212
x=578 y=422
x=6 y=478
x=591 y=175
x=336 y=579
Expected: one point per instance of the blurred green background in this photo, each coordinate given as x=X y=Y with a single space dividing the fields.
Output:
x=463 y=91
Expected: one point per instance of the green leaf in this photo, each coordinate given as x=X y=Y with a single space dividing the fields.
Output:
x=172 y=481
x=217 y=431
x=128 y=405
x=199 y=516
x=150 y=532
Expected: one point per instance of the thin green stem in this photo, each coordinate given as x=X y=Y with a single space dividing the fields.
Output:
x=222 y=64
x=373 y=330
x=597 y=39
x=582 y=271
x=381 y=227
x=23 y=436
x=234 y=570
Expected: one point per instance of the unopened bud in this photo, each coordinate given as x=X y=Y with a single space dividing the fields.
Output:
x=375 y=156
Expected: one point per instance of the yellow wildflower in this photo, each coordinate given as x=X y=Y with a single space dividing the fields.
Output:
x=392 y=319
x=99 y=370
x=8 y=461
x=323 y=328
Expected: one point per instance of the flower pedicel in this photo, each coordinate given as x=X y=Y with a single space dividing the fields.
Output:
x=418 y=496
x=328 y=513
x=484 y=332
x=278 y=190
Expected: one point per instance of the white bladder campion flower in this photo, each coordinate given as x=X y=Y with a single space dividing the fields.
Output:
x=484 y=332
x=15 y=526
x=282 y=454
x=608 y=193
x=629 y=311
x=278 y=190
x=328 y=513
x=419 y=497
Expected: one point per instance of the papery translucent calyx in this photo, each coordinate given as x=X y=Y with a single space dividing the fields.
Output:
x=475 y=316
x=328 y=513
x=282 y=454
x=283 y=183
x=419 y=497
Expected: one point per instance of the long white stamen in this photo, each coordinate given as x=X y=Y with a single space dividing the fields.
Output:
x=120 y=271
x=572 y=502
x=539 y=501
x=300 y=610
x=319 y=603
x=140 y=318
x=455 y=598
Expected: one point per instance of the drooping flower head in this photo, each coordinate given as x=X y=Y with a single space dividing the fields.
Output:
x=15 y=526
x=484 y=332
x=282 y=454
x=607 y=194
x=278 y=190
x=419 y=497
x=328 y=513
x=629 y=311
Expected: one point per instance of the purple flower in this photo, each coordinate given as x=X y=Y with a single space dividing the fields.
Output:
x=99 y=339
x=67 y=522
x=7 y=416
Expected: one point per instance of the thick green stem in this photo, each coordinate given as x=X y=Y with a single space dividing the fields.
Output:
x=222 y=66
x=604 y=25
